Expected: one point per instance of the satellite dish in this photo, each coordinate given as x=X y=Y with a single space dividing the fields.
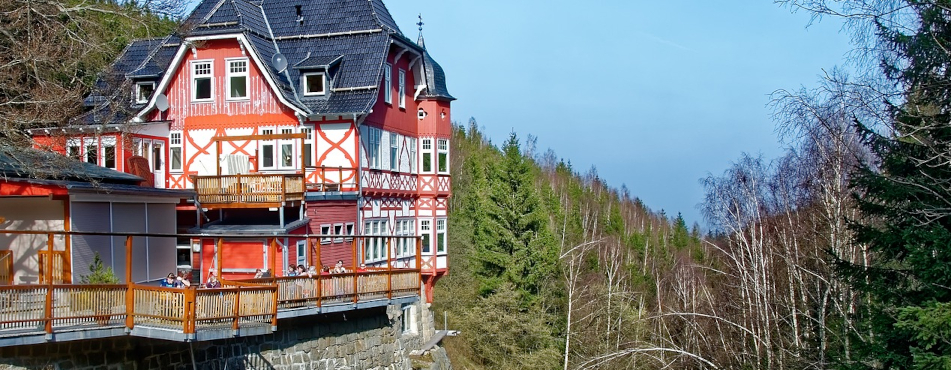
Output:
x=279 y=62
x=161 y=102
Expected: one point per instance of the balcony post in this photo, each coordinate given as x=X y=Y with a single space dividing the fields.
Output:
x=356 y=287
x=272 y=250
x=218 y=157
x=48 y=308
x=236 y=312
x=389 y=268
x=188 y=316
x=218 y=253
x=129 y=292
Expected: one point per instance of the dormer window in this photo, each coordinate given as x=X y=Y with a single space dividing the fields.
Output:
x=237 y=79
x=143 y=92
x=202 y=81
x=314 y=83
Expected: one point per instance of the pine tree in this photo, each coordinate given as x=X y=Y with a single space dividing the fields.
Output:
x=512 y=237
x=905 y=205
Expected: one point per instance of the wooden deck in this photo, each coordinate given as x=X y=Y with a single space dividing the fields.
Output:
x=249 y=191
x=31 y=314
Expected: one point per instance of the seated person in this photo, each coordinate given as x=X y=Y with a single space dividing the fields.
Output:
x=291 y=270
x=169 y=281
x=258 y=274
x=182 y=281
x=338 y=268
x=213 y=282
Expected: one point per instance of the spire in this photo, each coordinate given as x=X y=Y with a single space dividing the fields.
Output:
x=420 y=41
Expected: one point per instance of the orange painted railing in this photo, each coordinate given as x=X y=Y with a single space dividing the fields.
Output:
x=237 y=190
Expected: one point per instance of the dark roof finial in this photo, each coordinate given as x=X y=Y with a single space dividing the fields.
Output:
x=420 y=24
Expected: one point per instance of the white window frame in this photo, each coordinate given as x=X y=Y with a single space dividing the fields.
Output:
x=308 y=147
x=412 y=155
x=229 y=74
x=425 y=231
x=427 y=149
x=262 y=164
x=175 y=144
x=301 y=252
x=281 y=143
x=441 y=236
x=402 y=92
x=157 y=156
x=410 y=327
x=338 y=232
x=394 y=151
x=107 y=144
x=442 y=147
x=388 y=83
x=139 y=98
x=374 y=244
x=195 y=76
x=304 y=86
x=74 y=149
x=325 y=229
x=91 y=147
x=374 y=136
x=348 y=231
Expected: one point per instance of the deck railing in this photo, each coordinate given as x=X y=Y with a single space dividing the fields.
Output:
x=249 y=190
x=51 y=308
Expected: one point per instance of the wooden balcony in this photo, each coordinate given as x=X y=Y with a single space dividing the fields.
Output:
x=31 y=314
x=250 y=190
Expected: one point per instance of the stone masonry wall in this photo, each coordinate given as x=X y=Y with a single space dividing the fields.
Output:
x=364 y=339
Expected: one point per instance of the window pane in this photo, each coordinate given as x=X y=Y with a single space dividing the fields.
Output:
x=145 y=92
x=287 y=155
x=176 y=158
x=443 y=162
x=426 y=243
x=427 y=162
x=91 y=155
x=315 y=84
x=157 y=157
x=110 y=154
x=267 y=155
x=202 y=88
x=441 y=242
x=308 y=155
x=239 y=87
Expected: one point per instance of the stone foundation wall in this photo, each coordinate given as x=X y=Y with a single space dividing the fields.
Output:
x=364 y=339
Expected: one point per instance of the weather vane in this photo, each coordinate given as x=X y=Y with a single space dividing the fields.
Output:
x=420 y=23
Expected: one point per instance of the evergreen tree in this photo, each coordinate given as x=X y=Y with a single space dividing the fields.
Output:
x=513 y=240
x=905 y=205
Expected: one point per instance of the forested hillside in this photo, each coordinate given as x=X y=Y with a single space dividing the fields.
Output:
x=835 y=255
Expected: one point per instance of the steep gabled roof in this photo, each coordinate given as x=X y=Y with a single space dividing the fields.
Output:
x=348 y=39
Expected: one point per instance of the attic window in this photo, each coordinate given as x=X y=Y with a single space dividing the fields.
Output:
x=421 y=114
x=300 y=17
x=201 y=81
x=238 y=79
x=143 y=92
x=314 y=83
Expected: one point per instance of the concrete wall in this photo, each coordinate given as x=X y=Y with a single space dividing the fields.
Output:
x=364 y=339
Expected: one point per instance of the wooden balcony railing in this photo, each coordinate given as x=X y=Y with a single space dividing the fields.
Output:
x=52 y=308
x=331 y=179
x=249 y=191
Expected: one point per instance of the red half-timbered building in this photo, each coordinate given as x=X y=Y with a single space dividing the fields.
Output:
x=285 y=117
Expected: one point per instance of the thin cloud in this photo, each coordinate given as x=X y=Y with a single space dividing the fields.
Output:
x=664 y=41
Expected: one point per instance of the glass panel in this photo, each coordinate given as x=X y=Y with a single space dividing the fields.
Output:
x=145 y=92
x=110 y=154
x=73 y=151
x=426 y=243
x=315 y=84
x=427 y=162
x=267 y=155
x=176 y=158
x=184 y=257
x=239 y=87
x=91 y=155
x=157 y=156
x=441 y=242
x=287 y=155
x=202 y=88
x=308 y=155
x=443 y=162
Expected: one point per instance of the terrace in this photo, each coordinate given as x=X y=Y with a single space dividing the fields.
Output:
x=40 y=313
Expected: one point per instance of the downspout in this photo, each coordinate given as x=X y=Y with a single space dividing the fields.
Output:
x=359 y=182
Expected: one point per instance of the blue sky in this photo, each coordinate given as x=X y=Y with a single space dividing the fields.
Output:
x=654 y=94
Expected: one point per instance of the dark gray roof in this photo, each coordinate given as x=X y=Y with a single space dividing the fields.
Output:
x=232 y=228
x=44 y=165
x=348 y=38
x=318 y=62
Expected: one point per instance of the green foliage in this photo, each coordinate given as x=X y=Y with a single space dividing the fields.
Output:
x=99 y=274
x=512 y=235
x=506 y=335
